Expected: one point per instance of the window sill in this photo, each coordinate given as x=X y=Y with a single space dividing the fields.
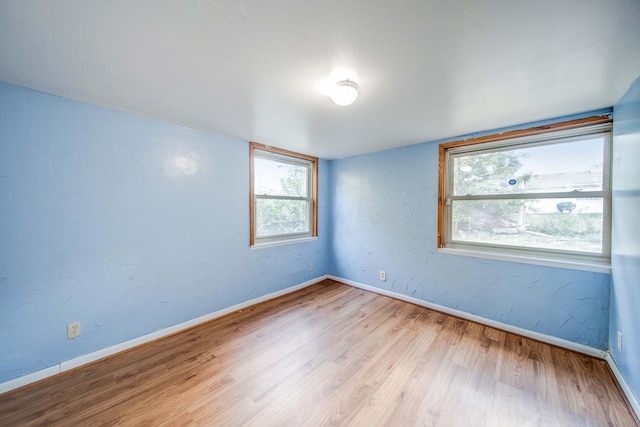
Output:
x=283 y=242
x=546 y=262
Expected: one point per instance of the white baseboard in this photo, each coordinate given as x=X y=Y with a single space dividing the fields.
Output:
x=114 y=349
x=110 y=351
x=29 y=378
x=559 y=342
x=631 y=397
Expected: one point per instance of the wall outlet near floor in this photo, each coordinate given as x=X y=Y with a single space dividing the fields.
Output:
x=310 y=267
x=619 y=342
x=383 y=275
x=73 y=330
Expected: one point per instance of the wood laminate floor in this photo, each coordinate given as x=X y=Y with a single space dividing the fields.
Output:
x=330 y=354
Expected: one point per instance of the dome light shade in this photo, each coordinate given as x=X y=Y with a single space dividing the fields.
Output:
x=344 y=93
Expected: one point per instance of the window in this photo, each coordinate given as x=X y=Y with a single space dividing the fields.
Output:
x=542 y=193
x=284 y=188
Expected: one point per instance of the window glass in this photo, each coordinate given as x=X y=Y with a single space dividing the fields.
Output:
x=277 y=178
x=559 y=224
x=277 y=217
x=563 y=166
x=283 y=195
x=540 y=195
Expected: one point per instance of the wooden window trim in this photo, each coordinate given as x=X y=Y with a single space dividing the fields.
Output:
x=538 y=130
x=314 y=187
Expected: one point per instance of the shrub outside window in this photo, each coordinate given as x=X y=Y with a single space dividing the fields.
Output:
x=283 y=195
x=543 y=192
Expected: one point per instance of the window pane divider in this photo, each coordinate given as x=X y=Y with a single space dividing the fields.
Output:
x=266 y=196
x=528 y=196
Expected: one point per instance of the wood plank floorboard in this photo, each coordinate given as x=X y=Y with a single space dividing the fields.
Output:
x=330 y=355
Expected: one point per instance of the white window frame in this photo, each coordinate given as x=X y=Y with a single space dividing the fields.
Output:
x=297 y=159
x=534 y=137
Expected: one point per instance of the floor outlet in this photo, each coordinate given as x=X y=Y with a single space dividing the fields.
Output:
x=73 y=330
x=383 y=275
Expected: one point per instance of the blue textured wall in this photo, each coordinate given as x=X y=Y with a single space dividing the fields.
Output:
x=625 y=262
x=131 y=225
x=126 y=224
x=384 y=215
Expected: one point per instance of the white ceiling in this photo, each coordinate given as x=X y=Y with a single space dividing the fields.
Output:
x=255 y=69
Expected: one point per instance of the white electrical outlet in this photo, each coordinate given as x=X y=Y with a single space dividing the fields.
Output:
x=383 y=275
x=619 y=342
x=310 y=267
x=73 y=330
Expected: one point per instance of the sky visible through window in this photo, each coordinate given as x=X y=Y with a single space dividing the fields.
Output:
x=575 y=156
x=270 y=175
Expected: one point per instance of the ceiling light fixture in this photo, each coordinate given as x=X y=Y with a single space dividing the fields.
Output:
x=344 y=93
